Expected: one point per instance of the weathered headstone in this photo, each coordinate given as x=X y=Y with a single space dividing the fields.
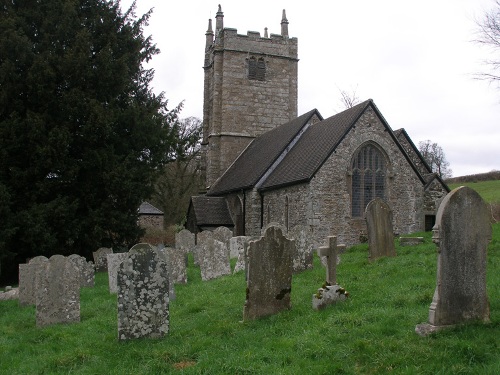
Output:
x=163 y=255
x=462 y=233
x=269 y=274
x=237 y=250
x=185 y=243
x=27 y=279
x=100 y=259
x=114 y=260
x=214 y=259
x=380 y=231
x=284 y=230
x=304 y=245
x=143 y=300
x=86 y=269
x=141 y=246
x=176 y=265
x=223 y=234
x=201 y=239
x=57 y=292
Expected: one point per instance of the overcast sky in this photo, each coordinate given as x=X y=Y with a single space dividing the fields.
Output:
x=416 y=60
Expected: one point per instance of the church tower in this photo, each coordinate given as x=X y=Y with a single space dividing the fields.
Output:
x=250 y=88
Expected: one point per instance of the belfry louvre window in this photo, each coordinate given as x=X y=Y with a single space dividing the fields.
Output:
x=368 y=178
x=256 y=69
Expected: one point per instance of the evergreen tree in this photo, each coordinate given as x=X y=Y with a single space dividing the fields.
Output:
x=81 y=133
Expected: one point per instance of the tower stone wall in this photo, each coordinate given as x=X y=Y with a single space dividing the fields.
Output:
x=250 y=88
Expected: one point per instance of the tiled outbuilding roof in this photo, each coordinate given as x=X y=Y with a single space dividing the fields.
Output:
x=260 y=154
x=147 y=208
x=211 y=211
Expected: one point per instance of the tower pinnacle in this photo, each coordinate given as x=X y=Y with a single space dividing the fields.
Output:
x=284 y=25
x=219 y=21
x=209 y=34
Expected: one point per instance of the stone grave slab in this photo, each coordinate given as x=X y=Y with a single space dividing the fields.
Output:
x=380 y=231
x=57 y=292
x=269 y=274
x=214 y=259
x=114 y=260
x=143 y=300
x=462 y=233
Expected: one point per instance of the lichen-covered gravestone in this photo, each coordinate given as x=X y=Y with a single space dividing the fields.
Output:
x=269 y=274
x=114 y=260
x=214 y=259
x=57 y=292
x=143 y=300
x=380 y=231
x=27 y=279
x=304 y=245
x=100 y=259
x=462 y=233
x=176 y=265
x=86 y=269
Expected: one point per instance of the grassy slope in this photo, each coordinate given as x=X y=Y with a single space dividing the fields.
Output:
x=489 y=190
x=371 y=333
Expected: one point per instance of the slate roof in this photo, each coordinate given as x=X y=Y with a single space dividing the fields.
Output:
x=259 y=155
x=147 y=208
x=272 y=160
x=314 y=147
x=211 y=211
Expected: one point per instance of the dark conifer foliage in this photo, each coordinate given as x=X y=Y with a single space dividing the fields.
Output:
x=81 y=133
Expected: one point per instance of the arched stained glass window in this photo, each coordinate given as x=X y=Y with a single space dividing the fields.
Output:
x=368 y=172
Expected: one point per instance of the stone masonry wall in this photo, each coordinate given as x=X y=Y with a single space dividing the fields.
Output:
x=324 y=203
x=236 y=108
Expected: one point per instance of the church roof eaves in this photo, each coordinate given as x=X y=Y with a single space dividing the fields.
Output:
x=259 y=156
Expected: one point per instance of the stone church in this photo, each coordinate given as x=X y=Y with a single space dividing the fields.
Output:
x=264 y=163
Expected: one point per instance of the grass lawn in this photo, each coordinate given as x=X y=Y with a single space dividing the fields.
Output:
x=488 y=190
x=371 y=333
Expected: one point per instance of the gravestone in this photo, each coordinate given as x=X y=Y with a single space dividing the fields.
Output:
x=184 y=240
x=100 y=259
x=223 y=234
x=114 y=260
x=27 y=279
x=330 y=253
x=86 y=269
x=269 y=274
x=143 y=300
x=214 y=259
x=141 y=246
x=237 y=250
x=284 y=230
x=201 y=239
x=185 y=243
x=164 y=255
x=304 y=245
x=462 y=233
x=176 y=262
x=380 y=232
x=57 y=293
x=330 y=292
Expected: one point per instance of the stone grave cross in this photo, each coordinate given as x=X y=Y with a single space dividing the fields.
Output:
x=330 y=252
